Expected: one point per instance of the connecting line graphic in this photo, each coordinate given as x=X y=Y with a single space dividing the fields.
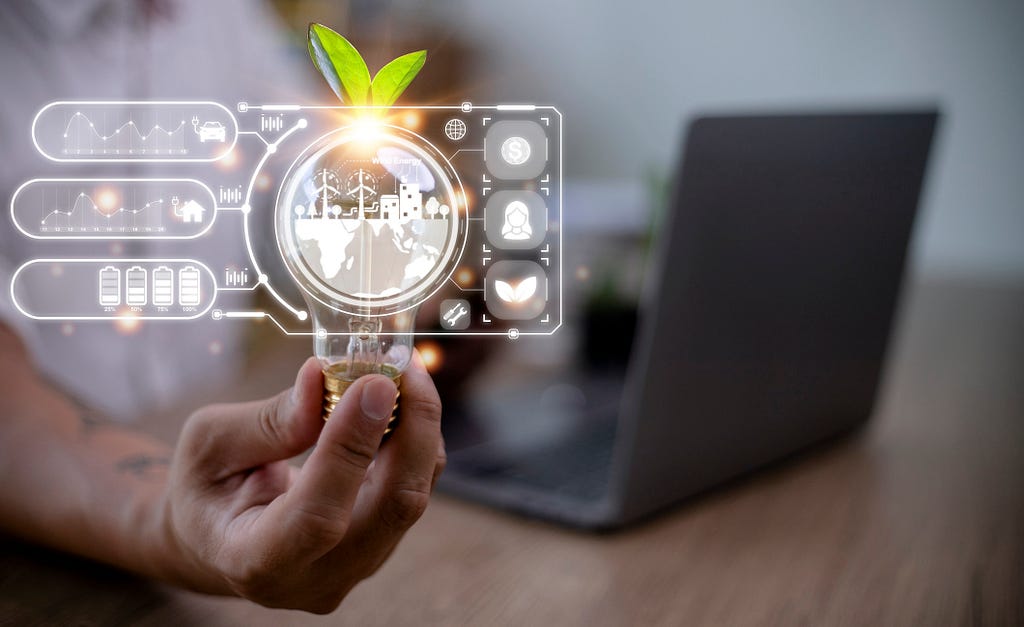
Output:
x=251 y=315
x=465 y=289
x=464 y=151
x=257 y=134
x=251 y=288
x=247 y=208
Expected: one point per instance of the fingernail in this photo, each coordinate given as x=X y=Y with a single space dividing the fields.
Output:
x=378 y=399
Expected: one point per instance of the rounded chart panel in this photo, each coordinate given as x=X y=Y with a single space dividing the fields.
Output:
x=110 y=289
x=113 y=208
x=134 y=131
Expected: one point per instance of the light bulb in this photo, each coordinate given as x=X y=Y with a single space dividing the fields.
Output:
x=370 y=223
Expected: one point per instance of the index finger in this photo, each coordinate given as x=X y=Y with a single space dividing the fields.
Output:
x=405 y=468
x=313 y=516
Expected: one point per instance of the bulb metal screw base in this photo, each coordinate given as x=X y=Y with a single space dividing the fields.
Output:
x=337 y=379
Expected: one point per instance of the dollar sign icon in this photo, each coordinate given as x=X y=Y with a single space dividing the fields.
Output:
x=515 y=150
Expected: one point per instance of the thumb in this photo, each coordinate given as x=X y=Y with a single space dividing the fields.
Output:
x=224 y=439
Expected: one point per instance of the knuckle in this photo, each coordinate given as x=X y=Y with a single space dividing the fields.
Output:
x=269 y=420
x=404 y=505
x=320 y=525
x=197 y=426
x=354 y=452
x=251 y=578
x=198 y=432
x=441 y=463
x=423 y=407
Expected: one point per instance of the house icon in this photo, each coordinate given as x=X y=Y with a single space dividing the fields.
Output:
x=191 y=211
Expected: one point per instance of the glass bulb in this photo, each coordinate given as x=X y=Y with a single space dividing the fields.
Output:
x=368 y=222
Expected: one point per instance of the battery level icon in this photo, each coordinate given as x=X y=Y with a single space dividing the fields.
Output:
x=135 y=278
x=188 y=286
x=110 y=286
x=163 y=286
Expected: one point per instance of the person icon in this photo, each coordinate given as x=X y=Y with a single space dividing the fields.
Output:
x=517 y=221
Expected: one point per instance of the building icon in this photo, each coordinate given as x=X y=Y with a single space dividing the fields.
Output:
x=389 y=207
x=410 y=201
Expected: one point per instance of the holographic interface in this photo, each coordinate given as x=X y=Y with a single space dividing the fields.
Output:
x=454 y=212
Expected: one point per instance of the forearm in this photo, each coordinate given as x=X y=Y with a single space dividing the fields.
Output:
x=74 y=483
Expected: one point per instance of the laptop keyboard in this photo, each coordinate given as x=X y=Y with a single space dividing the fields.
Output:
x=577 y=467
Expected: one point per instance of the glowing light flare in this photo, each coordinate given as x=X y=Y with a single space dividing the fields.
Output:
x=465 y=276
x=467 y=201
x=432 y=355
x=263 y=182
x=583 y=273
x=127 y=322
x=107 y=201
x=229 y=161
x=411 y=120
x=366 y=128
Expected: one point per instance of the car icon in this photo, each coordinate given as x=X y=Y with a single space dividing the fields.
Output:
x=212 y=131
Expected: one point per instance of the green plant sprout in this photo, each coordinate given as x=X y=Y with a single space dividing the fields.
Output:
x=345 y=70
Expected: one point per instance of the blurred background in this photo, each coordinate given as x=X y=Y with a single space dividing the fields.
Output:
x=628 y=78
x=917 y=523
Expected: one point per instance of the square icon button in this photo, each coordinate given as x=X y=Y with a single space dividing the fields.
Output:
x=516 y=149
x=516 y=290
x=455 y=314
x=516 y=220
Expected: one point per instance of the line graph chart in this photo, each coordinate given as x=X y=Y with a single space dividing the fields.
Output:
x=113 y=208
x=81 y=137
x=85 y=215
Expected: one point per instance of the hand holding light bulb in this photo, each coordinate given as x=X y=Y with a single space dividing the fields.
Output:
x=368 y=225
x=238 y=519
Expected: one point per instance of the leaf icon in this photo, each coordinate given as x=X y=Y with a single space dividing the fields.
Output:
x=526 y=288
x=518 y=294
x=505 y=291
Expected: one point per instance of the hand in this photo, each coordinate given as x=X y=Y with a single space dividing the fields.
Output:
x=242 y=520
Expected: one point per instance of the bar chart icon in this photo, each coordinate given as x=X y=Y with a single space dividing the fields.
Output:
x=188 y=286
x=163 y=286
x=110 y=286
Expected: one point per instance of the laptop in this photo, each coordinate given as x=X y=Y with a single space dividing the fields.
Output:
x=763 y=325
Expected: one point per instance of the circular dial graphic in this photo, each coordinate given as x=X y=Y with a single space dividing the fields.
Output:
x=388 y=237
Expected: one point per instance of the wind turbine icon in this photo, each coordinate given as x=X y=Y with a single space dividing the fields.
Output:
x=326 y=185
x=362 y=183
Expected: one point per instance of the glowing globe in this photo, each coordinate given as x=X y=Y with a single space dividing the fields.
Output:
x=368 y=220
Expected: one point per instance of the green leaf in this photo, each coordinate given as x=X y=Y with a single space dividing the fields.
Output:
x=341 y=65
x=393 y=78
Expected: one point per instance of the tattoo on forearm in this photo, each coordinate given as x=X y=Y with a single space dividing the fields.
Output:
x=143 y=466
x=91 y=419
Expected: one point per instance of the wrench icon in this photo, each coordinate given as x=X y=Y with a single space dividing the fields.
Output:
x=454 y=314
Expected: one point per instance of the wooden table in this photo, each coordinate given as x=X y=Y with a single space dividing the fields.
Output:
x=918 y=520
